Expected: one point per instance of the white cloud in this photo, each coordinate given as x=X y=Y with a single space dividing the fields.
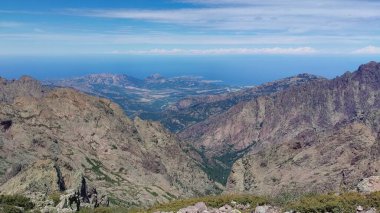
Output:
x=286 y=16
x=370 y=50
x=223 y=51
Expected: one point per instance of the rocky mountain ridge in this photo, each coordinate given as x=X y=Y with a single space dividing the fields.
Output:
x=50 y=139
x=192 y=110
x=319 y=136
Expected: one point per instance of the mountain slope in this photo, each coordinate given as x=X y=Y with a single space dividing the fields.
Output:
x=50 y=139
x=329 y=138
x=192 y=110
x=320 y=136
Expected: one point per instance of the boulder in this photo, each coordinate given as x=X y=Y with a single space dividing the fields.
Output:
x=368 y=185
x=267 y=209
x=201 y=206
x=360 y=209
x=225 y=208
x=189 y=209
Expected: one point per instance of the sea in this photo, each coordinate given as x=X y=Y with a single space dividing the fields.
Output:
x=237 y=70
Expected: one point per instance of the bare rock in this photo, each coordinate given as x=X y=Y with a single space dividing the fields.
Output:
x=190 y=209
x=89 y=136
x=267 y=209
x=201 y=206
x=226 y=208
x=368 y=185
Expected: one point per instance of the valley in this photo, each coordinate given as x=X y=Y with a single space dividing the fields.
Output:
x=299 y=135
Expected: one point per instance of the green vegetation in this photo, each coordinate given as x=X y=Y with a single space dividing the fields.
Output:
x=9 y=209
x=219 y=168
x=104 y=210
x=7 y=201
x=310 y=203
x=211 y=201
x=96 y=168
x=55 y=197
x=334 y=203
x=346 y=202
x=150 y=191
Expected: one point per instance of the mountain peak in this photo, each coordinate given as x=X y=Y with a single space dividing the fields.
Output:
x=307 y=76
x=25 y=86
x=369 y=73
x=370 y=66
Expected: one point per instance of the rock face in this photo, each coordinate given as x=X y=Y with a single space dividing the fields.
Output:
x=368 y=185
x=50 y=139
x=204 y=111
x=192 y=110
x=26 y=86
x=319 y=136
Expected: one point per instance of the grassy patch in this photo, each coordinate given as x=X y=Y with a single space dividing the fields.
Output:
x=346 y=202
x=210 y=201
x=96 y=168
x=150 y=191
x=343 y=203
x=55 y=197
x=16 y=200
x=105 y=210
x=219 y=168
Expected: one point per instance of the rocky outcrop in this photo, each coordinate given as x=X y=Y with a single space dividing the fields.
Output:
x=25 y=86
x=370 y=184
x=61 y=135
x=319 y=136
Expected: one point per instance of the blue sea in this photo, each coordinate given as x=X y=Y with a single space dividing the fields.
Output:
x=233 y=70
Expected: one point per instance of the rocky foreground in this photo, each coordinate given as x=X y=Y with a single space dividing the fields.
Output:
x=239 y=208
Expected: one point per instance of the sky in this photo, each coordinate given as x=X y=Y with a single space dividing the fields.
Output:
x=332 y=31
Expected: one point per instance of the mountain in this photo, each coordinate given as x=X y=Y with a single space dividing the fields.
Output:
x=320 y=136
x=52 y=138
x=192 y=110
x=145 y=98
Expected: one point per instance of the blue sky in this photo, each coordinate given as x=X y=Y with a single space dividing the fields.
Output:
x=237 y=41
x=189 y=27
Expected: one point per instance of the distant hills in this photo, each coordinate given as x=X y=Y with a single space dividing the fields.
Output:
x=176 y=102
x=145 y=98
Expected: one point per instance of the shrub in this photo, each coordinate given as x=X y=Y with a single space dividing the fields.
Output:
x=374 y=199
x=211 y=201
x=9 y=209
x=16 y=200
x=346 y=202
x=104 y=210
x=55 y=197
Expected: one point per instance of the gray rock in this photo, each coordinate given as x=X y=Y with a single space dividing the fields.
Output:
x=190 y=209
x=225 y=208
x=201 y=206
x=267 y=209
x=368 y=185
